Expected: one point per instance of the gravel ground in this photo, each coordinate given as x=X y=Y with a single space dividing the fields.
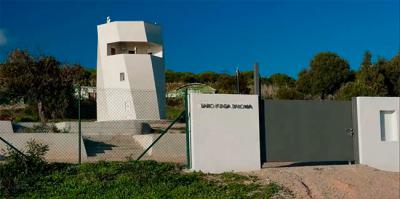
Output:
x=338 y=181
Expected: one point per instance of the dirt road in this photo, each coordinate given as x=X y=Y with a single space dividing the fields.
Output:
x=339 y=181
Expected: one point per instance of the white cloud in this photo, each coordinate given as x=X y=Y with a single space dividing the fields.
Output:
x=3 y=38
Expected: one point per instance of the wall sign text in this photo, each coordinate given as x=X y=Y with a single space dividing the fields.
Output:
x=226 y=106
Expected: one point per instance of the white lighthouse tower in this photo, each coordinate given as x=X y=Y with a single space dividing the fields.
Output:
x=130 y=72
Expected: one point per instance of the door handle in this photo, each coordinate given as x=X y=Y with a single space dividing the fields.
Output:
x=350 y=131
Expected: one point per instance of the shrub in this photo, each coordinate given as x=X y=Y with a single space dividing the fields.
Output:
x=355 y=89
x=27 y=114
x=26 y=118
x=289 y=93
x=21 y=171
x=175 y=102
x=48 y=128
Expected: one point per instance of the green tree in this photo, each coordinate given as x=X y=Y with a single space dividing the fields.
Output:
x=303 y=83
x=48 y=88
x=354 y=89
x=226 y=84
x=37 y=81
x=370 y=76
x=289 y=93
x=391 y=72
x=93 y=77
x=76 y=74
x=182 y=77
x=13 y=73
x=327 y=73
x=282 y=80
x=170 y=76
x=187 y=77
x=208 y=77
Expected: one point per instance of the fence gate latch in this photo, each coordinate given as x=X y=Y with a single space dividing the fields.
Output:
x=350 y=131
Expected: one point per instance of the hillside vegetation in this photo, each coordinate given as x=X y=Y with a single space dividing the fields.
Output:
x=46 y=87
x=328 y=77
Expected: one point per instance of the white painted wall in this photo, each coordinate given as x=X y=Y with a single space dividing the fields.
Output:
x=138 y=31
x=374 y=151
x=141 y=96
x=224 y=139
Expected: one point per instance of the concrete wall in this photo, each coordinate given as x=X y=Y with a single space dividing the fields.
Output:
x=122 y=127
x=170 y=146
x=376 y=149
x=224 y=138
x=142 y=94
x=6 y=127
x=63 y=147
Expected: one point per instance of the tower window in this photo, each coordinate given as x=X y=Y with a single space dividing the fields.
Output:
x=132 y=51
x=122 y=77
x=112 y=51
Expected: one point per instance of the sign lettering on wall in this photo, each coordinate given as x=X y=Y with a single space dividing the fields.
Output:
x=226 y=106
x=221 y=125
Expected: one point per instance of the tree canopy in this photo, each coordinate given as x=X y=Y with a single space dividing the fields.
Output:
x=327 y=73
x=47 y=85
x=41 y=81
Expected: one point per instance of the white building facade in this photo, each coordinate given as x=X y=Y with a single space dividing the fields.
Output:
x=130 y=72
x=378 y=122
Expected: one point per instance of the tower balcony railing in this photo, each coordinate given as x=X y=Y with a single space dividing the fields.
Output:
x=157 y=55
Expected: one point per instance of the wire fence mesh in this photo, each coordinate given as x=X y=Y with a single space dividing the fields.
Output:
x=115 y=124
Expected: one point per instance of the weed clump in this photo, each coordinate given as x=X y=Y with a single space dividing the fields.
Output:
x=20 y=171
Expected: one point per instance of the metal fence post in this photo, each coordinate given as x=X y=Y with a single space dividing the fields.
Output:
x=256 y=77
x=161 y=135
x=187 y=130
x=237 y=81
x=79 y=126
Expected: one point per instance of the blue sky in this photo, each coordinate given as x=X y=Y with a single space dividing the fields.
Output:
x=211 y=35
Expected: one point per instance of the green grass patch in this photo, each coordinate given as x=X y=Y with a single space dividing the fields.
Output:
x=143 y=179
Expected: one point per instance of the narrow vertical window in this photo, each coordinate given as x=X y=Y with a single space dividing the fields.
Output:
x=122 y=77
x=112 y=51
x=389 y=131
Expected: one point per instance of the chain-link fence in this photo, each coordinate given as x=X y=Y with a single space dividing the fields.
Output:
x=61 y=137
x=109 y=125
